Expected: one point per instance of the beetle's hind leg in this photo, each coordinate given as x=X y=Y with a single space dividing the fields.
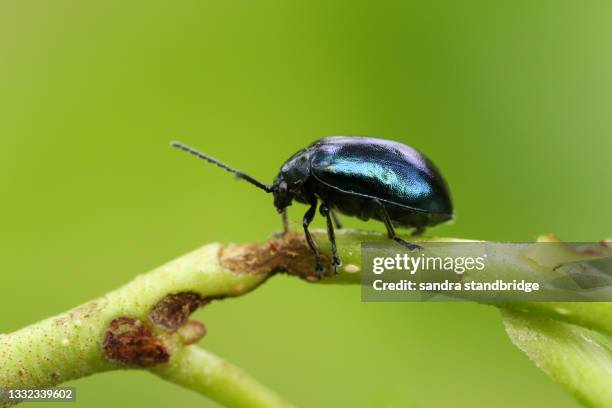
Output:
x=328 y=214
x=336 y=219
x=391 y=231
x=418 y=231
x=313 y=246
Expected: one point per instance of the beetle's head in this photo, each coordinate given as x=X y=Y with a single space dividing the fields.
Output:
x=283 y=196
x=289 y=182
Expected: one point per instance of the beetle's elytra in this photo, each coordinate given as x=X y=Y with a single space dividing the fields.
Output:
x=362 y=177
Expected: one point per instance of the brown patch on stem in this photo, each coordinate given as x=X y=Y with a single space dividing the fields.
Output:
x=289 y=253
x=128 y=341
x=174 y=310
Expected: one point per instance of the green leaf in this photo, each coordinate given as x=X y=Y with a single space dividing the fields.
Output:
x=578 y=358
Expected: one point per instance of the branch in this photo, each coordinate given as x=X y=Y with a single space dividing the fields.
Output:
x=210 y=375
x=140 y=325
x=145 y=324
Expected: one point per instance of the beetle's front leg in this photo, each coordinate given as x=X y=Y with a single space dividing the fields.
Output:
x=325 y=211
x=313 y=246
x=285 y=221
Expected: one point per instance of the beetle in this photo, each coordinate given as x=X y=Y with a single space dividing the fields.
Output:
x=364 y=177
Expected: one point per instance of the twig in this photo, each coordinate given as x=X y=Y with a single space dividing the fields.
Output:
x=145 y=325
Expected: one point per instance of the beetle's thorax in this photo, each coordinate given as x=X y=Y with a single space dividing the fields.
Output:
x=291 y=179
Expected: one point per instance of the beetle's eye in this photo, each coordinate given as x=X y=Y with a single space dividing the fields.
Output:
x=282 y=188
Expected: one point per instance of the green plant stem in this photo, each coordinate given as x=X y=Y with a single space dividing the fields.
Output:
x=74 y=344
x=69 y=345
x=204 y=372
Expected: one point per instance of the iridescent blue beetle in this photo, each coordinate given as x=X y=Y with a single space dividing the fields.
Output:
x=357 y=176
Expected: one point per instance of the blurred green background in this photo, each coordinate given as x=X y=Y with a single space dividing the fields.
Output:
x=512 y=100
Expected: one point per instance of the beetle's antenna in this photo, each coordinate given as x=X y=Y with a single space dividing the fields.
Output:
x=239 y=174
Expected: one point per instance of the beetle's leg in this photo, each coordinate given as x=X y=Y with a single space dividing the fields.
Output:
x=285 y=221
x=391 y=231
x=418 y=231
x=336 y=219
x=324 y=209
x=313 y=246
